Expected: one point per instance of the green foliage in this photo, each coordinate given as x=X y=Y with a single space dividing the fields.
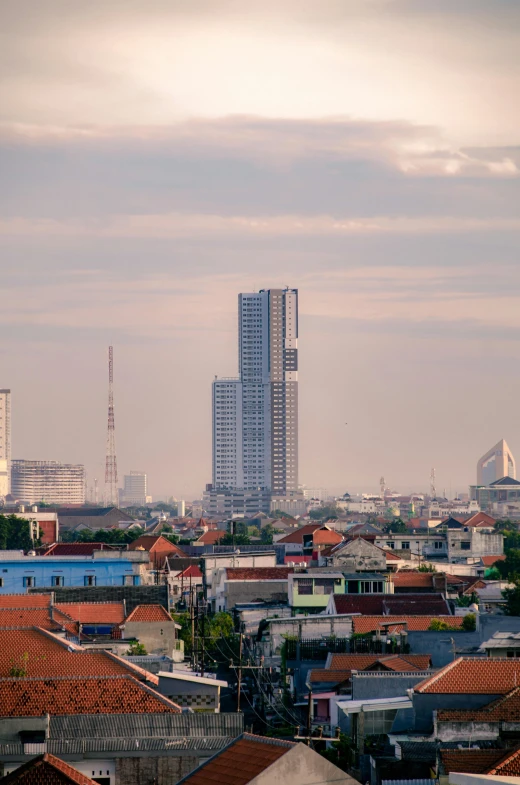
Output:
x=266 y=534
x=19 y=670
x=512 y=598
x=237 y=534
x=108 y=536
x=136 y=650
x=438 y=625
x=510 y=566
x=492 y=574
x=15 y=534
x=469 y=622
x=397 y=526
x=465 y=600
x=340 y=753
x=427 y=567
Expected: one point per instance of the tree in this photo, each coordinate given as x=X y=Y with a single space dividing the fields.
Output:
x=427 y=567
x=398 y=526
x=15 y=534
x=512 y=598
x=234 y=539
x=324 y=513
x=108 y=536
x=469 y=622
x=136 y=650
x=266 y=534
x=340 y=752
x=510 y=566
x=438 y=624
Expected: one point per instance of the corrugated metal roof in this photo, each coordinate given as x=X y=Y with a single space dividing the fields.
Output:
x=79 y=746
x=139 y=726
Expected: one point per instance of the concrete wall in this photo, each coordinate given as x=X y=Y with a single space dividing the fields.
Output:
x=153 y=770
x=384 y=685
x=302 y=766
x=73 y=570
x=131 y=595
x=200 y=697
x=158 y=637
x=251 y=591
x=425 y=704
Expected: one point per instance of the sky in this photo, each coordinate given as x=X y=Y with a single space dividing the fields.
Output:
x=157 y=157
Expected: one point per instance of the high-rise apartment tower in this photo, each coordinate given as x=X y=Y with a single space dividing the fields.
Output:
x=5 y=442
x=134 y=490
x=48 y=481
x=255 y=417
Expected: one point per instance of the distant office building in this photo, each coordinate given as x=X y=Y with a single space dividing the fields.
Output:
x=498 y=462
x=134 y=493
x=48 y=481
x=5 y=442
x=255 y=417
x=228 y=502
x=495 y=497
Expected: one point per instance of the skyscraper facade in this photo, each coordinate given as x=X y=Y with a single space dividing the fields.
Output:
x=255 y=417
x=134 y=490
x=5 y=442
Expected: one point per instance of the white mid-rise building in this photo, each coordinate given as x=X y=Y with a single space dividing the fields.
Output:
x=48 y=481
x=5 y=442
x=133 y=492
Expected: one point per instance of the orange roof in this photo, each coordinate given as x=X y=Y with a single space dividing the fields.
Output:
x=30 y=697
x=240 y=762
x=507 y=707
x=258 y=573
x=93 y=612
x=46 y=770
x=36 y=617
x=473 y=676
x=480 y=519
x=76 y=548
x=326 y=676
x=414 y=623
x=414 y=579
x=149 y=613
x=43 y=654
x=193 y=571
x=470 y=761
x=25 y=600
x=211 y=537
x=509 y=766
x=396 y=662
x=321 y=535
x=154 y=542
x=489 y=561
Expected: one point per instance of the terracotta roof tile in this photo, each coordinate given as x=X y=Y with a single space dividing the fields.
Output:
x=240 y=762
x=36 y=617
x=414 y=623
x=326 y=676
x=507 y=707
x=152 y=543
x=46 y=770
x=509 y=766
x=29 y=697
x=474 y=676
x=325 y=537
x=391 y=604
x=414 y=579
x=211 y=537
x=258 y=573
x=149 y=613
x=489 y=561
x=395 y=662
x=25 y=600
x=469 y=761
x=193 y=571
x=93 y=612
x=76 y=548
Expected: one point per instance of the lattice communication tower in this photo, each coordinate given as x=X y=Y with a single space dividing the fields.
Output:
x=111 y=463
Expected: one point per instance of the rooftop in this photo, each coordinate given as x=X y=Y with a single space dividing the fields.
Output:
x=46 y=770
x=470 y=761
x=507 y=708
x=76 y=548
x=93 y=612
x=392 y=604
x=211 y=537
x=325 y=537
x=63 y=696
x=258 y=573
x=149 y=613
x=413 y=623
x=240 y=762
x=474 y=676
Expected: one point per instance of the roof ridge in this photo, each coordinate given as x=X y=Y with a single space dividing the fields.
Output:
x=432 y=679
x=510 y=755
x=267 y=740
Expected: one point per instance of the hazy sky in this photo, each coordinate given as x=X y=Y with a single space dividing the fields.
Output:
x=160 y=156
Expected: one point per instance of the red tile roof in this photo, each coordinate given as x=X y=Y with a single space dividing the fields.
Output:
x=321 y=535
x=326 y=676
x=258 y=573
x=489 y=561
x=93 y=612
x=240 y=762
x=414 y=623
x=469 y=761
x=392 y=604
x=76 y=548
x=43 y=654
x=474 y=676
x=509 y=766
x=193 y=571
x=25 y=600
x=153 y=542
x=396 y=662
x=211 y=537
x=480 y=519
x=36 y=617
x=30 y=697
x=507 y=707
x=149 y=613
x=414 y=579
x=46 y=770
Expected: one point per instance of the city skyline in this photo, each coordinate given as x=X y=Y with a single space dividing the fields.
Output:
x=367 y=153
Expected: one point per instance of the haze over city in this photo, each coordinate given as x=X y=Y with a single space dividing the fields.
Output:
x=160 y=157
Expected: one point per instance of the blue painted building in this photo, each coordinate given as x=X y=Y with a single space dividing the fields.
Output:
x=19 y=573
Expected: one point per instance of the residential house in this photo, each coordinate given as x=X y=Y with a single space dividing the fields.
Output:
x=310 y=539
x=416 y=544
x=503 y=765
x=212 y=537
x=152 y=626
x=250 y=584
x=43 y=524
x=212 y=565
x=190 y=690
x=498 y=719
x=158 y=549
x=52 y=771
x=414 y=582
x=75 y=548
x=256 y=760
x=184 y=585
x=389 y=604
x=314 y=591
x=358 y=555
x=503 y=645
x=92 y=517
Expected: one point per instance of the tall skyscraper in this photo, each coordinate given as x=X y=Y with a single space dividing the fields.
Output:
x=48 y=481
x=255 y=417
x=5 y=442
x=498 y=462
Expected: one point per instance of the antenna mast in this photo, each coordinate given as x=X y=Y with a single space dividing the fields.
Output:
x=111 y=464
x=433 y=489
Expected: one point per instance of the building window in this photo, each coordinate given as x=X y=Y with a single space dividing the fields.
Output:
x=304 y=586
x=465 y=546
x=90 y=580
x=29 y=581
x=57 y=580
x=405 y=546
x=323 y=586
x=390 y=545
x=438 y=546
x=1 y=582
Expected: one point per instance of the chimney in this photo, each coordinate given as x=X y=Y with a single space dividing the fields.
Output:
x=51 y=605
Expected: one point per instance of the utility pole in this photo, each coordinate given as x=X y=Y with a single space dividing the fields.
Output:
x=309 y=718
x=239 y=682
x=203 y=641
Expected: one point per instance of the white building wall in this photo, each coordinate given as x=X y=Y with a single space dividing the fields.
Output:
x=5 y=442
